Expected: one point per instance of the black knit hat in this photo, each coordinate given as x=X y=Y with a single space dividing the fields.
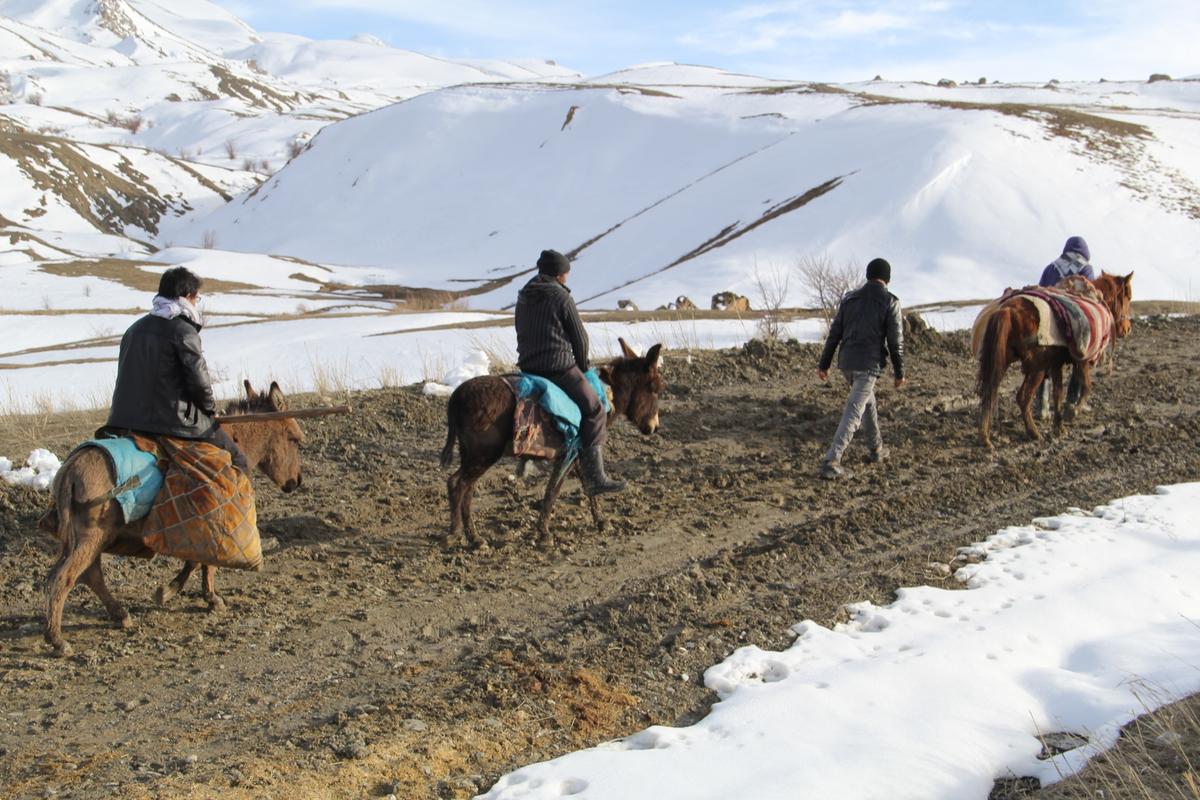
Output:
x=879 y=270
x=552 y=262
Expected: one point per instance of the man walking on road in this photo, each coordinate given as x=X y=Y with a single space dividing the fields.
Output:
x=868 y=329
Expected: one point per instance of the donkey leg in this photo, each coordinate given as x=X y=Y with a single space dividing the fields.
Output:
x=593 y=503
x=73 y=559
x=164 y=593
x=558 y=475
x=216 y=603
x=459 y=487
x=93 y=576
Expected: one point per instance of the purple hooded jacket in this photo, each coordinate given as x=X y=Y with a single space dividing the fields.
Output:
x=1075 y=260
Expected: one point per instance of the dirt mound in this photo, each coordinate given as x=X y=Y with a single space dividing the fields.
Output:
x=369 y=661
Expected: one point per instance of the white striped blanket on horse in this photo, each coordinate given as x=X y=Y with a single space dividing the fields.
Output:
x=1067 y=317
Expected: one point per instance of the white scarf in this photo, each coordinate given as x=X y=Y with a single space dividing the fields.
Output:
x=168 y=308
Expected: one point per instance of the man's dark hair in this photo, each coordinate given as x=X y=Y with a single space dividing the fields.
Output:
x=178 y=282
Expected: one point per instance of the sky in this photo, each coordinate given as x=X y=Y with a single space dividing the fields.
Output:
x=820 y=40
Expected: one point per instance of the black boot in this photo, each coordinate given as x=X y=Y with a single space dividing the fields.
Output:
x=594 y=480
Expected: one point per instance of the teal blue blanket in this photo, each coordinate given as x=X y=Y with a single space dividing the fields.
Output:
x=128 y=462
x=554 y=401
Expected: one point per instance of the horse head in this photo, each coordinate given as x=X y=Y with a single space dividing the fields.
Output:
x=636 y=383
x=272 y=446
x=1118 y=294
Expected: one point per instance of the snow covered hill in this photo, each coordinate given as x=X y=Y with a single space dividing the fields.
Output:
x=671 y=180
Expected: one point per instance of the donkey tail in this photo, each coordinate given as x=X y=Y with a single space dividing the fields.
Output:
x=993 y=361
x=63 y=492
x=451 y=431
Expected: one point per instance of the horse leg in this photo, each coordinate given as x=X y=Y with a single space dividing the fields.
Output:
x=593 y=502
x=545 y=539
x=1033 y=379
x=1056 y=398
x=163 y=594
x=76 y=554
x=216 y=603
x=1085 y=383
x=93 y=576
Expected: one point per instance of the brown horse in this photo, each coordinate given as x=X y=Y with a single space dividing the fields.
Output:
x=1011 y=335
x=479 y=416
x=91 y=522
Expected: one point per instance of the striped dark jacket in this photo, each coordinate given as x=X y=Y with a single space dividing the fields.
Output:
x=550 y=335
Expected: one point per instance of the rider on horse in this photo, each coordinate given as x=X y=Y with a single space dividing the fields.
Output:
x=1075 y=260
x=163 y=387
x=552 y=344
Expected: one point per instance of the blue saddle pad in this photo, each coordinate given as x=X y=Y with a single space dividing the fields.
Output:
x=127 y=462
x=554 y=401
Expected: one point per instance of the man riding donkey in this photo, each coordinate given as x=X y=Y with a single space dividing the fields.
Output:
x=162 y=477
x=1075 y=260
x=552 y=344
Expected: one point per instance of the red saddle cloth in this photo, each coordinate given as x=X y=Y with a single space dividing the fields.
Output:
x=535 y=435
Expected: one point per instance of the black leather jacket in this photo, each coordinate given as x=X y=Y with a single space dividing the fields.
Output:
x=868 y=328
x=162 y=381
x=550 y=335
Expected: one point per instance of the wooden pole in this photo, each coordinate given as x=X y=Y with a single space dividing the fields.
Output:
x=267 y=416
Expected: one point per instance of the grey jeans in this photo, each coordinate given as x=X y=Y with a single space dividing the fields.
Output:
x=860 y=410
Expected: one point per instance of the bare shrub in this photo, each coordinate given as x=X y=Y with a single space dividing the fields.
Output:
x=295 y=148
x=264 y=166
x=208 y=240
x=824 y=282
x=1159 y=76
x=133 y=123
x=231 y=149
x=34 y=99
x=772 y=288
x=248 y=165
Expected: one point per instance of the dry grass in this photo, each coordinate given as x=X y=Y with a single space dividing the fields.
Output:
x=128 y=273
x=44 y=419
x=1155 y=758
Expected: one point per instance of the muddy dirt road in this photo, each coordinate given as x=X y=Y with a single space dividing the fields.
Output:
x=365 y=661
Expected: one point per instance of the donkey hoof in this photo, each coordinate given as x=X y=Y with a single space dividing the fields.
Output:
x=63 y=650
x=216 y=604
x=163 y=595
x=125 y=621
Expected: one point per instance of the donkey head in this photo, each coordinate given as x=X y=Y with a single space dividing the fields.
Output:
x=636 y=384
x=1118 y=294
x=272 y=446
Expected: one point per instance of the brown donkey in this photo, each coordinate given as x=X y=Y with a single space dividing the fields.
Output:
x=479 y=417
x=1011 y=335
x=90 y=521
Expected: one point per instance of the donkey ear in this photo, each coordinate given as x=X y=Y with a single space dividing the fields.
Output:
x=628 y=351
x=653 y=356
x=278 y=402
x=250 y=394
x=1129 y=277
x=605 y=374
